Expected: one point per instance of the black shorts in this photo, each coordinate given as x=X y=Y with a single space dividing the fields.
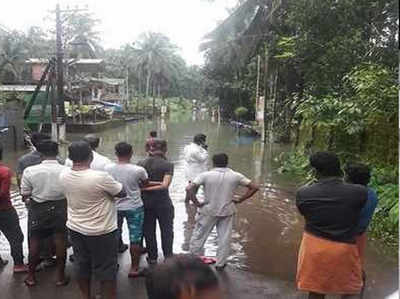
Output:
x=95 y=255
x=47 y=218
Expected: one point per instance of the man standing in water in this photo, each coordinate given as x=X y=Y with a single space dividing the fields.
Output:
x=132 y=177
x=218 y=208
x=150 y=142
x=42 y=191
x=92 y=221
x=196 y=158
x=329 y=262
x=9 y=221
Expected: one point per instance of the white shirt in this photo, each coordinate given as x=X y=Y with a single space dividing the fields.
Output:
x=195 y=160
x=99 y=161
x=129 y=176
x=42 y=181
x=91 y=205
x=219 y=185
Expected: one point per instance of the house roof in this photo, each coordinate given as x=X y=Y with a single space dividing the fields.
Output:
x=69 y=61
x=108 y=81
x=25 y=88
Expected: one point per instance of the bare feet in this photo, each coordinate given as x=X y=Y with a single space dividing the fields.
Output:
x=20 y=268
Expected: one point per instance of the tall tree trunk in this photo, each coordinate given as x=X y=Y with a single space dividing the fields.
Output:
x=154 y=99
x=264 y=132
x=257 y=85
x=148 y=84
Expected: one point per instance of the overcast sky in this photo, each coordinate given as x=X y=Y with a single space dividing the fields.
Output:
x=184 y=21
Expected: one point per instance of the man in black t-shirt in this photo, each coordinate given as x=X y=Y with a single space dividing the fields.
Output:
x=157 y=203
x=329 y=262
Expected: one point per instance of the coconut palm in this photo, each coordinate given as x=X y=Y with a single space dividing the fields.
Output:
x=156 y=57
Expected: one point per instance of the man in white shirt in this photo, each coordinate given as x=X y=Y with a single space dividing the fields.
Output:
x=196 y=158
x=92 y=221
x=42 y=191
x=132 y=177
x=218 y=208
x=99 y=161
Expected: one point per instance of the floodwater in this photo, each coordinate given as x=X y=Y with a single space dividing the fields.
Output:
x=267 y=228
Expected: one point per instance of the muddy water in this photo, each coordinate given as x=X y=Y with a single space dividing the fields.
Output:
x=267 y=228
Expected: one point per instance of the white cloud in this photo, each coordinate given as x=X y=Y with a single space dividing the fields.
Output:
x=184 y=21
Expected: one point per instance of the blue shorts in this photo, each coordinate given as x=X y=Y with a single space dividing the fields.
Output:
x=134 y=219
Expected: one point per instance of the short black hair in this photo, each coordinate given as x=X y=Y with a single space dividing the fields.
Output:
x=153 y=134
x=123 y=149
x=326 y=164
x=199 y=138
x=79 y=151
x=48 y=148
x=177 y=274
x=37 y=137
x=159 y=146
x=93 y=140
x=220 y=160
x=357 y=173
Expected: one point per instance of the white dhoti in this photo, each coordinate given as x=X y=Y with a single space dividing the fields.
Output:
x=203 y=227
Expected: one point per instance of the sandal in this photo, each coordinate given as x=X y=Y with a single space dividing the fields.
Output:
x=29 y=282
x=134 y=274
x=64 y=282
x=208 y=260
x=21 y=269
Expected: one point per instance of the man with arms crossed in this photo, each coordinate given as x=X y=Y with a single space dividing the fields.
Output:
x=92 y=221
x=218 y=208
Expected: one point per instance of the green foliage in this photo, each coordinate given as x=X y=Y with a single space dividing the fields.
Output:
x=296 y=164
x=385 y=224
x=241 y=111
x=285 y=48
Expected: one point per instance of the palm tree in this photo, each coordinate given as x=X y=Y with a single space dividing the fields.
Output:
x=155 y=56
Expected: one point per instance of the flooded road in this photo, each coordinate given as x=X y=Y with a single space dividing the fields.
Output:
x=267 y=228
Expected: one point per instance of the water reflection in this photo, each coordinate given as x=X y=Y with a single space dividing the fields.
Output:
x=267 y=228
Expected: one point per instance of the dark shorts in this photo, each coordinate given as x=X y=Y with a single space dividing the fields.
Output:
x=95 y=255
x=47 y=218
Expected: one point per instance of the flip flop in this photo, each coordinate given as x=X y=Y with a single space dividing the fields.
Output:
x=208 y=260
x=29 y=283
x=20 y=270
x=135 y=274
x=63 y=282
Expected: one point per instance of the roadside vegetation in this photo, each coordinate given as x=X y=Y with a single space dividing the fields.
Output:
x=328 y=72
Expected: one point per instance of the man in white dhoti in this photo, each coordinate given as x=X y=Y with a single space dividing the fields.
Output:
x=196 y=158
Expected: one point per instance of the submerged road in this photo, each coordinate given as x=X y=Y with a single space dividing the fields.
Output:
x=267 y=228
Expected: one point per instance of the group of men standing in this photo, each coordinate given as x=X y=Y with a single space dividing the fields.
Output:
x=86 y=201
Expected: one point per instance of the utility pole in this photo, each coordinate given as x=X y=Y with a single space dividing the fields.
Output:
x=60 y=127
x=60 y=78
